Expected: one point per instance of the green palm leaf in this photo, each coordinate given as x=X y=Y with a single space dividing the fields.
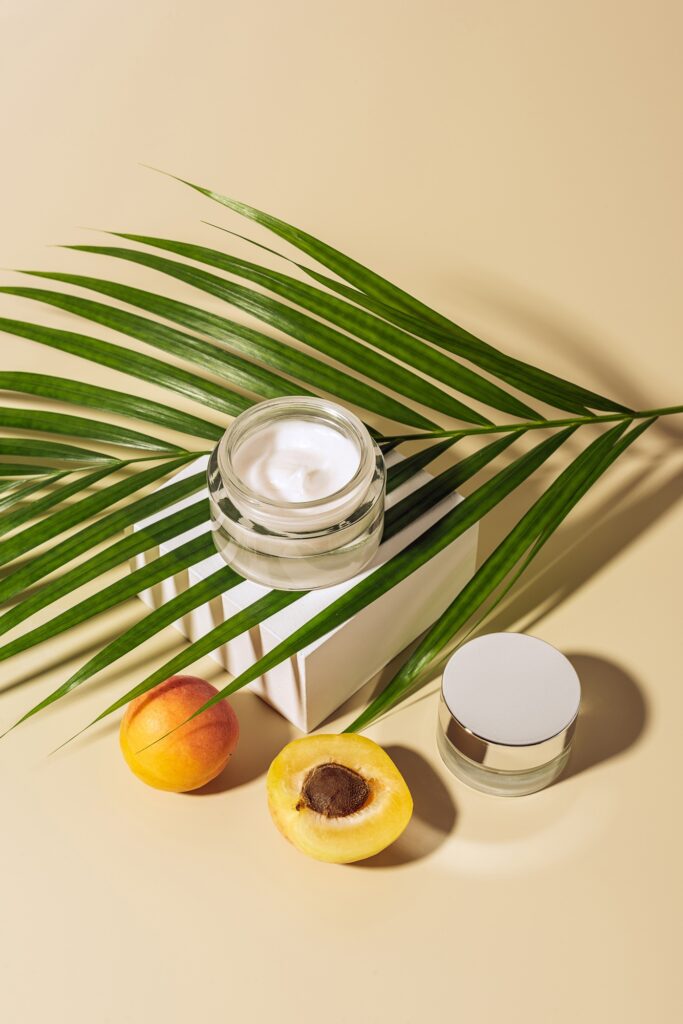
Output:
x=360 y=339
x=536 y=525
x=148 y=575
x=132 y=363
x=298 y=325
x=386 y=576
x=406 y=468
x=48 y=450
x=358 y=322
x=254 y=344
x=218 y=361
x=75 y=392
x=15 y=517
x=396 y=305
x=78 y=426
x=97 y=565
x=96 y=532
x=17 y=491
x=206 y=590
x=24 y=469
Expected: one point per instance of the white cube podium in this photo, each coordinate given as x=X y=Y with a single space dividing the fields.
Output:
x=309 y=687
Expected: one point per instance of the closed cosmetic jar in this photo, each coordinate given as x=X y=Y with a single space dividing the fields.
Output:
x=508 y=709
x=296 y=489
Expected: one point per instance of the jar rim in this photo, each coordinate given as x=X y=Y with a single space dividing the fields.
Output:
x=305 y=407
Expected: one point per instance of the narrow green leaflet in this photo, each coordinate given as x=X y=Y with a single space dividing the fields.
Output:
x=33 y=536
x=89 y=395
x=53 y=450
x=304 y=328
x=206 y=590
x=439 y=487
x=91 y=535
x=132 y=363
x=15 y=517
x=117 y=553
x=18 y=494
x=358 y=322
x=536 y=525
x=395 y=304
x=116 y=593
x=404 y=470
x=238 y=371
x=598 y=468
x=79 y=426
x=439 y=536
x=302 y=366
x=160 y=568
x=24 y=469
x=233 y=627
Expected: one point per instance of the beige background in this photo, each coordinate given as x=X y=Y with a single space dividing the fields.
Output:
x=519 y=165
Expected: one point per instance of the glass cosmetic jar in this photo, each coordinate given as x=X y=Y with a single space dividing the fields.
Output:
x=508 y=708
x=296 y=489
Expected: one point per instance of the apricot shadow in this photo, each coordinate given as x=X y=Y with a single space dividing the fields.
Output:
x=434 y=813
x=263 y=734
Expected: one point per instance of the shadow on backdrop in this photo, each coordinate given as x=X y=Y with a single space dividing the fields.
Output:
x=434 y=813
x=251 y=760
x=613 y=714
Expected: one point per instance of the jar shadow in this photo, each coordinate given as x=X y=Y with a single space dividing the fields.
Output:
x=434 y=813
x=613 y=714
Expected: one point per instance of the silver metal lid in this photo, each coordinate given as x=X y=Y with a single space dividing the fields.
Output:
x=509 y=701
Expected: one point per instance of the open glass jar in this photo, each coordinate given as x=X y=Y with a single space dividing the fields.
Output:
x=296 y=489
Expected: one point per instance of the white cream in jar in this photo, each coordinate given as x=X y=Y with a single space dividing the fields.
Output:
x=295 y=460
x=296 y=488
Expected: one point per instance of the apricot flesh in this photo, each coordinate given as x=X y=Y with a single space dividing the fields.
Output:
x=338 y=798
x=192 y=755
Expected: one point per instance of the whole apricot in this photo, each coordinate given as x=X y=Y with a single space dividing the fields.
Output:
x=192 y=755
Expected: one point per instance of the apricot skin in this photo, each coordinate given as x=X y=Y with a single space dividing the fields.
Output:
x=338 y=840
x=193 y=755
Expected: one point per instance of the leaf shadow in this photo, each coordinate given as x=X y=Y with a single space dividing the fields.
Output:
x=535 y=316
x=583 y=547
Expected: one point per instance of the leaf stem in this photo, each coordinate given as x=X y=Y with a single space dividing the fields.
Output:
x=496 y=428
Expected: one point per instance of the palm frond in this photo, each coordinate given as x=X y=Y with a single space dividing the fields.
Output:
x=73 y=392
x=174 y=525
x=356 y=322
x=398 y=307
x=90 y=536
x=314 y=333
x=299 y=365
x=533 y=529
x=145 y=368
x=148 y=575
x=354 y=336
x=386 y=576
x=78 y=426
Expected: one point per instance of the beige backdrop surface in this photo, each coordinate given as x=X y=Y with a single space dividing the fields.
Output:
x=518 y=165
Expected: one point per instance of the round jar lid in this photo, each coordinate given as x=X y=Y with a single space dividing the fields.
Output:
x=510 y=701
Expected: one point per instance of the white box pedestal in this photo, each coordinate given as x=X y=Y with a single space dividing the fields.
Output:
x=313 y=684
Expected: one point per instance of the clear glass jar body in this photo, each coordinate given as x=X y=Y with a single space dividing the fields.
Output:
x=302 y=545
x=495 y=781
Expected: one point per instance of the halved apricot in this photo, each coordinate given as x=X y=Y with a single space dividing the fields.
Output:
x=338 y=798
